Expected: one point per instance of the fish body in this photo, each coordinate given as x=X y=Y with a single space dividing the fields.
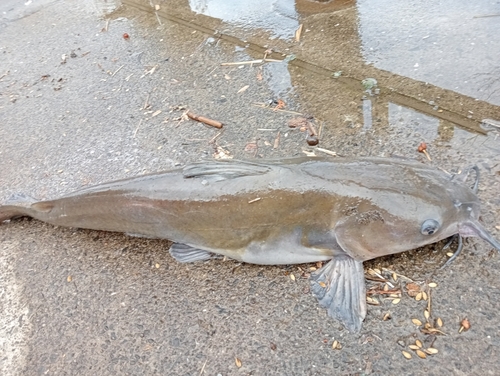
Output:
x=281 y=212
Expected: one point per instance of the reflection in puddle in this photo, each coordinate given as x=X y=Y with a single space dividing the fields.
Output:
x=278 y=80
x=367 y=113
x=105 y=7
x=404 y=117
x=278 y=16
x=451 y=44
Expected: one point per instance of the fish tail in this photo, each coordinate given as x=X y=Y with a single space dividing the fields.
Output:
x=17 y=206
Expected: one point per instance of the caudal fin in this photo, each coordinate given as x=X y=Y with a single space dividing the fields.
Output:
x=16 y=206
x=340 y=287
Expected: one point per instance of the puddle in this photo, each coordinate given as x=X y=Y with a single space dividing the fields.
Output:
x=104 y=7
x=455 y=45
x=401 y=113
x=279 y=17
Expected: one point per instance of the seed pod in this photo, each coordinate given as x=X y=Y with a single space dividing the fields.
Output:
x=406 y=354
x=416 y=322
x=421 y=354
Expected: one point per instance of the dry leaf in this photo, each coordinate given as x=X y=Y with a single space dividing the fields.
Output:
x=418 y=343
x=465 y=325
x=299 y=122
x=414 y=347
x=251 y=146
x=416 y=322
x=396 y=301
x=431 y=351
x=413 y=289
x=292 y=277
x=322 y=284
x=433 y=284
x=439 y=322
x=281 y=104
x=69 y=279
x=418 y=297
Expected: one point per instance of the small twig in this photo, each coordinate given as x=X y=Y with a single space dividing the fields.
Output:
x=203 y=368
x=213 y=139
x=135 y=133
x=312 y=130
x=429 y=302
x=326 y=151
x=158 y=18
x=207 y=121
x=254 y=200
x=107 y=24
x=382 y=292
x=116 y=71
x=277 y=140
x=146 y=104
x=487 y=15
x=261 y=105
x=259 y=61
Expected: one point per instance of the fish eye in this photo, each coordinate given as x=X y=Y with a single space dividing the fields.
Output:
x=429 y=227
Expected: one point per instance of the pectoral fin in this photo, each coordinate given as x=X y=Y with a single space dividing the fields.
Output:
x=185 y=253
x=340 y=287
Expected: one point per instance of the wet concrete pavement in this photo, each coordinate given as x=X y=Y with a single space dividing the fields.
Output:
x=80 y=104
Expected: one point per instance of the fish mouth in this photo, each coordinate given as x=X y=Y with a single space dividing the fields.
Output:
x=474 y=228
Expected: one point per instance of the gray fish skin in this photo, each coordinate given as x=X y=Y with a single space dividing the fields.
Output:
x=282 y=212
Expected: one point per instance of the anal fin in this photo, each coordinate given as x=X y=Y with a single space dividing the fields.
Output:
x=340 y=287
x=185 y=253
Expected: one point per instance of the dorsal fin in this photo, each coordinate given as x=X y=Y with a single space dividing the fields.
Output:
x=224 y=170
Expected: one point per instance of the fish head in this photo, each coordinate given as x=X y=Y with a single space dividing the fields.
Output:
x=394 y=222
